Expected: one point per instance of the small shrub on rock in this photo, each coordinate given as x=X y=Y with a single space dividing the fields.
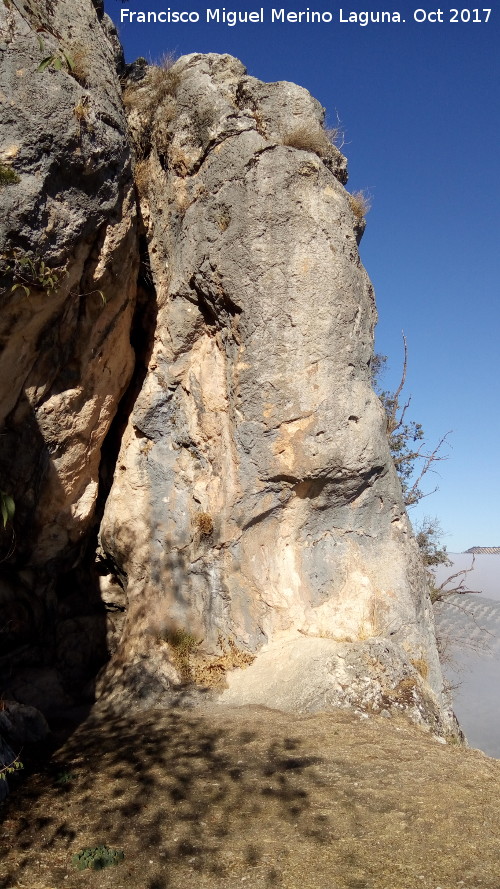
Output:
x=8 y=176
x=26 y=271
x=97 y=858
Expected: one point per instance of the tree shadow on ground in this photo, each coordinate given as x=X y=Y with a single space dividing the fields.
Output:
x=172 y=786
x=214 y=797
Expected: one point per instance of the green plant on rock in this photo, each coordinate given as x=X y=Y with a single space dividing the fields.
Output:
x=22 y=270
x=64 y=778
x=11 y=768
x=58 y=61
x=7 y=508
x=8 y=176
x=97 y=858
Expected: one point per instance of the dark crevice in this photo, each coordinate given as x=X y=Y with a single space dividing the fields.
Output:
x=261 y=517
x=163 y=161
x=76 y=603
x=214 y=143
x=142 y=339
x=283 y=479
x=78 y=590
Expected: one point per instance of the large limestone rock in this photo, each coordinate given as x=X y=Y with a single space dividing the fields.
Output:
x=68 y=270
x=255 y=503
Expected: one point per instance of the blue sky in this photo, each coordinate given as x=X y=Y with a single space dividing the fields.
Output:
x=419 y=104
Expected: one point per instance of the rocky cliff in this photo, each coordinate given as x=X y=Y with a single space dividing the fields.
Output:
x=68 y=266
x=239 y=527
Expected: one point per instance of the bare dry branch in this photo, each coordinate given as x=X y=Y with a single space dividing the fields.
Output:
x=392 y=425
x=429 y=460
x=439 y=593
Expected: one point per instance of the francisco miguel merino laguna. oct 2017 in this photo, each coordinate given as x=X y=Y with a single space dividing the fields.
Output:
x=221 y=15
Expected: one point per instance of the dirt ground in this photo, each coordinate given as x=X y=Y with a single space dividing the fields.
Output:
x=256 y=798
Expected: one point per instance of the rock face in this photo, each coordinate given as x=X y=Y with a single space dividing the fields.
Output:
x=250 y=508
x=255 y=502
x=68 y=269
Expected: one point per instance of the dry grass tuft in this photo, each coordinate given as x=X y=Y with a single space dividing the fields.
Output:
x=260 y=124
x=81 y=109
x=80 y=62
x=204 y=523
x=305 y=139
x=142 y=177
x=166 y=61
x=193 y=666
x=212 y=674
x=153 y=98
x=360 y=204
x=334 y=135
x=148 y=94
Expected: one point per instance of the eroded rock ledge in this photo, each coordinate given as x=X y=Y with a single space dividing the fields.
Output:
x=250 y=523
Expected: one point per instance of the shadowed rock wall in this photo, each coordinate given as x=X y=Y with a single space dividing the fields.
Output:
x=68 y=270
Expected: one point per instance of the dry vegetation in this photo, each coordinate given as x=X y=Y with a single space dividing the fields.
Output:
x=221 y=798
x=182 y=645
x=81 y=109
x=159 y=82
x=306 y=139
x=142 y=177
x=204 y=524
x=360 y=204
x=79 y=62
x=212 y=673
x=223 y=218
x=194 y=666
x=260 y=123
x=156 y=90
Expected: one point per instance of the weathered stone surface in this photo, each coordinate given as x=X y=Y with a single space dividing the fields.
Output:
x=313 y=675
x=40 y=687
x=68 y=269
x=22 y=725
x=255 y=501
x=66 y=358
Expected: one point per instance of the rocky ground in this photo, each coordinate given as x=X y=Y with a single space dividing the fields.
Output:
x=255 y=797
